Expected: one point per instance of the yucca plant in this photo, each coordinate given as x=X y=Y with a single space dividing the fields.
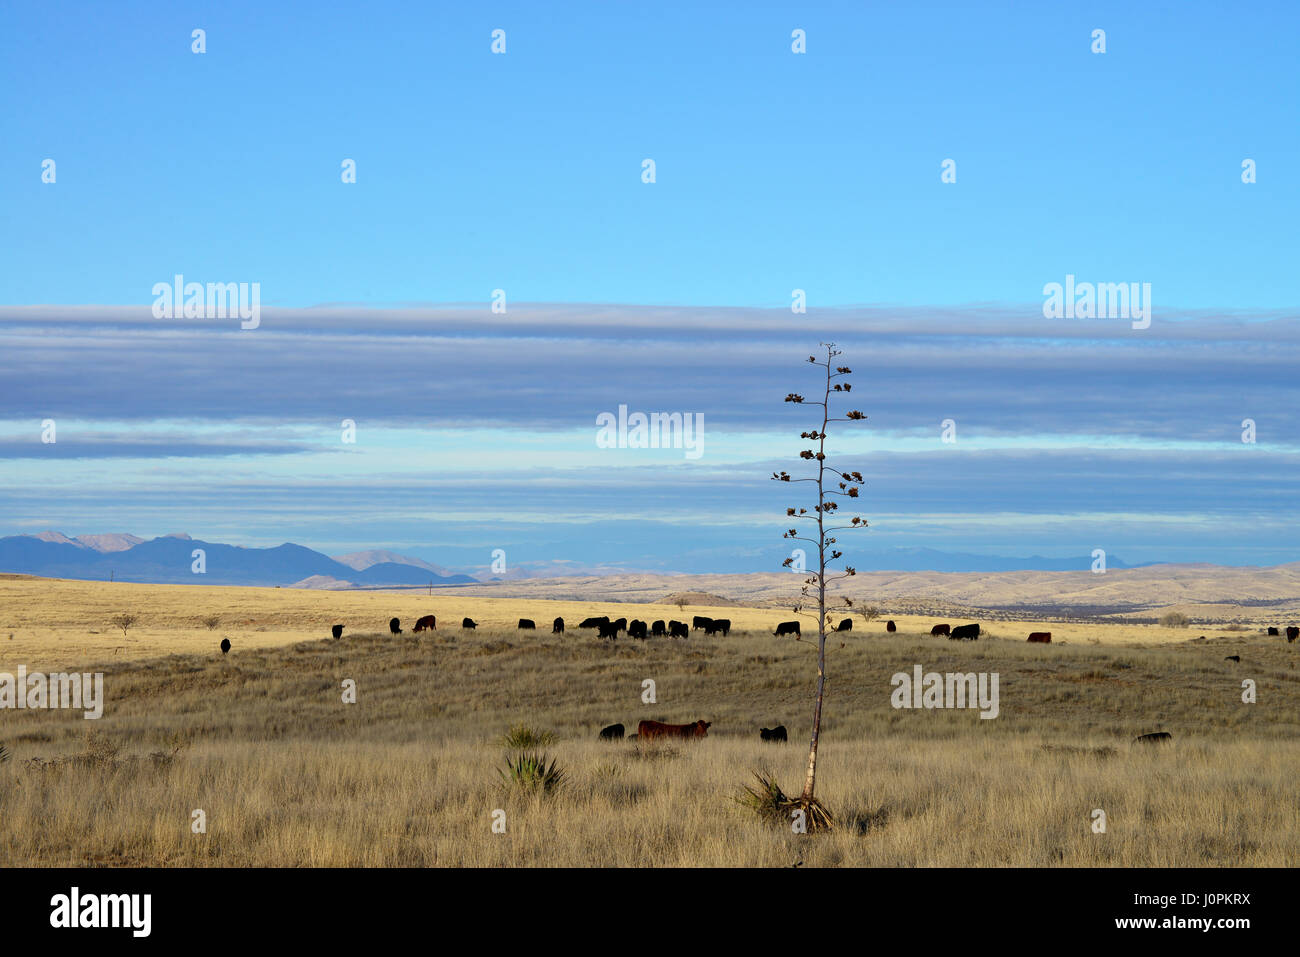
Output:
x=529 y=771
x=521 y=736
x=770 y=803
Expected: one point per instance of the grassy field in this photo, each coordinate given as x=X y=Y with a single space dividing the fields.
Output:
x=288 y=774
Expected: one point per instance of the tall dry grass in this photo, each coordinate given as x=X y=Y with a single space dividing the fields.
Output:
x=290 y=775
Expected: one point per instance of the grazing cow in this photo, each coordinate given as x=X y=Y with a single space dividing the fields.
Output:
x=1292 y=633
x=938 y=630
x=637 y=629
x=1236 y=658
x=787 y=628
x=1155 y=737
x=846 y=624
x=395 y=626
x=773 y=734
x=658 y=628
x=699 y=621
x=608 y=629
x=557 y=626
x=337 y=631
x=225 y=646
x=619 y=625
x=526 y=623
x=594 y=622
x=718 y=625
x=468 y=623
x=678 y=629
x=657 y=729
x=1044 y=636
x=890 y=626
x=965 y=632
x=428 y=621
x=613 y=733
x=1272 y=633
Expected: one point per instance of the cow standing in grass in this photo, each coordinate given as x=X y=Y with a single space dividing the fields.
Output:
x=657 y=729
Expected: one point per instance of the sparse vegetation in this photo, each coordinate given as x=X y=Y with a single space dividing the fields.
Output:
x=212 y=621
x=405 y=780
x=1174 y=619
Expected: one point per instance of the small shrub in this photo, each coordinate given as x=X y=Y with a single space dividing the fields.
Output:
x=521 y=737
x=770 y=803
x=1174 y=619
x=530 y=772
x=123 y=621
x=212 y=621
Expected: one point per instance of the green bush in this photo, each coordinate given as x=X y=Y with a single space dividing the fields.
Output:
x=530 y=772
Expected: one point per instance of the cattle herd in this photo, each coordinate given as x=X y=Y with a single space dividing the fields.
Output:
x=651 y=730
x=611 y=628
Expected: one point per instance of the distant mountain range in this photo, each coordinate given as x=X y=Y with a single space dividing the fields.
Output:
x=169 y=560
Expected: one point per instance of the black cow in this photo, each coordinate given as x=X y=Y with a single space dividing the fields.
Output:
x=699 y=621
x=938 y=630
x=965 y=633
x=395 y=626
x=613 y=733
x=658 y=628
x=337 y=631
x=1155 y=737
x=526 y=623
x=594 y=622
x=787 y=628
x=557 y=626
x=468 y=623
x=619 y=624
x=718 y=625
x=1292 y=633
x=608 y=629
x=1273 y=633
x=637 y=629
x=773 y=734
x=225 y=646
x=846 y=624
x=890 y=626
x=678 y=629
x=1236 y=658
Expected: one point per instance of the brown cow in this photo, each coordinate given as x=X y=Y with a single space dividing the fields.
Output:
x=938 y=630
x=657 y=729
x=1044 y=636
x=428 y=621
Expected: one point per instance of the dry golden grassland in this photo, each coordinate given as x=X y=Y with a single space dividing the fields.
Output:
x=288 y=774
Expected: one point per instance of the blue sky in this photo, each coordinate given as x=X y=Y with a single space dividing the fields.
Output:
x=775 y=171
